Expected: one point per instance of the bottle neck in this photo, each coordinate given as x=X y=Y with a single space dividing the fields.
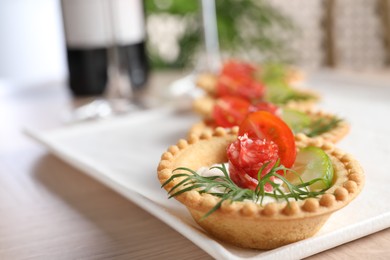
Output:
x=102 y=23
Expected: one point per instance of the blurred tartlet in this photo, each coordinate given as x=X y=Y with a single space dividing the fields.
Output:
x=229 y=111
x=269 y=82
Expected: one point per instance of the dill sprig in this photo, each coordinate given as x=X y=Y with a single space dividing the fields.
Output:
x=279 y=92
x=321 y=125
x=225 y=189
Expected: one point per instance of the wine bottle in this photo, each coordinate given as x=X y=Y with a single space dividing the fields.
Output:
x=89 y=32
x=130 y=36
x=134 y=55
x=86 y=34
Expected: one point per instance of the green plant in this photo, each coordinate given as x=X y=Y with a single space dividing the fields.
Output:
x=246 y=28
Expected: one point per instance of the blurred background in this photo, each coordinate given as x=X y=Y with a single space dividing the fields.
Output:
x=312 y=34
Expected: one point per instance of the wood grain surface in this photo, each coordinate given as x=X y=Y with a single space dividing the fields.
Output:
x=49 y=210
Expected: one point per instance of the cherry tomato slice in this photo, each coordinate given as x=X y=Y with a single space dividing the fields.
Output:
x=230 y=111
x=234 y=68
x=264 y=125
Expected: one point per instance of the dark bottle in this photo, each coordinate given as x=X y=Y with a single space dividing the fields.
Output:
x=134 y=57
x=129 y=35
x=86 y=34
x=87 y=71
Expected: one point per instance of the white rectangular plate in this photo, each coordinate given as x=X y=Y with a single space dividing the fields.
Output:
x=123 y=153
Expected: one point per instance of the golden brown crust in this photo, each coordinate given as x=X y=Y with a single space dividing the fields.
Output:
x=248 y=224
x=334 y=135
x=204 y=106
x=295 y=77
x=207 y=82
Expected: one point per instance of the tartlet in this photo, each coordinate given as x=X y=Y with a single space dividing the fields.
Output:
x=333 y=135
x=204 y=105
x=207 y=82
x=250 y=225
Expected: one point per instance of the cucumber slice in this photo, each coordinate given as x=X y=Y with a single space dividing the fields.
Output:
x=278 y=92
x=296 y=120
x=312 y=163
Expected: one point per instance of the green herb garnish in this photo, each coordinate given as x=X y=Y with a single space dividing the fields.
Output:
x=274 y=76
x=301 y=122
x=321 y=125
x=231 y=192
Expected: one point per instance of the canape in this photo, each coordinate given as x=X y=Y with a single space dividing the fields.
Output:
x=274 y=191
x=270 y=82
x=230 y=111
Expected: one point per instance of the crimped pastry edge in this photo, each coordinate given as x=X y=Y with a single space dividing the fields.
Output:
x=339 y=195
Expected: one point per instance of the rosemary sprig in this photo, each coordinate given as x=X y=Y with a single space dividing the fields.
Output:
x=321 y=125
x=225 y=189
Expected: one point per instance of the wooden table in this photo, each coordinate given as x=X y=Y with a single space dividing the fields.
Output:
x=49 y=210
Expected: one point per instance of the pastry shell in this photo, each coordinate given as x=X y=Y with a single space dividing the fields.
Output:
x=334 y=135
x=250 y=225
